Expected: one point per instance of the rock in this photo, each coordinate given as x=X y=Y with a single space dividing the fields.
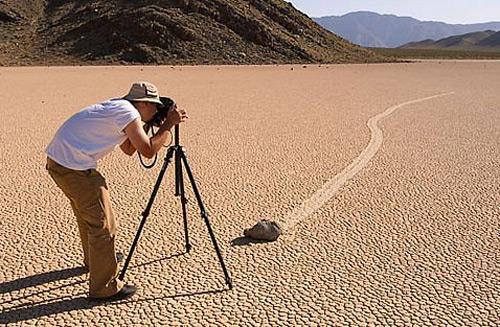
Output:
x=9 y=17
x=266 y=230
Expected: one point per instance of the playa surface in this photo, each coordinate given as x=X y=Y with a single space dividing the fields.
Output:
x=392 y=223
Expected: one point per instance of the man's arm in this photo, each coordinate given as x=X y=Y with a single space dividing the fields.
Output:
x=138 y=140
x=127 y=146
x=149 y=146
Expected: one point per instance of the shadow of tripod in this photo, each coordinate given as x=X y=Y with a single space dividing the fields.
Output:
x=178 y=153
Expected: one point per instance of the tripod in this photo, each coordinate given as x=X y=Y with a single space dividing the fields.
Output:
x=177 y=152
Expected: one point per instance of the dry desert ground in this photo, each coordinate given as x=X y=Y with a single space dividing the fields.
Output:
x=386 y=178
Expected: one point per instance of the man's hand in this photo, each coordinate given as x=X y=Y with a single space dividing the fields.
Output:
x=175 y=116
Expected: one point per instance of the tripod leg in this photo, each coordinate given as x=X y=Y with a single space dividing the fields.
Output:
x=179 y=182
x=145 y=214
x=178 y=171
x=205 y=217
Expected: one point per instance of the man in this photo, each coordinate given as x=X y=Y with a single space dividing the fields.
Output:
x=72 y=161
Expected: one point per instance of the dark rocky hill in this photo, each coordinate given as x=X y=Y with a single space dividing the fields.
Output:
x=166 y=32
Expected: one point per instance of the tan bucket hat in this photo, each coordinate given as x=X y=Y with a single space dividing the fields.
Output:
x=143 y=91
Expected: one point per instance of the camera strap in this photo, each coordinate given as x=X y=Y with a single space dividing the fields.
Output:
x=153 y=163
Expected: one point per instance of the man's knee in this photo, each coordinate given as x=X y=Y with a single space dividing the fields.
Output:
x=100 y=220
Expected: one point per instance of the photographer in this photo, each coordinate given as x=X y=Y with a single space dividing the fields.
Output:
x=72 y=161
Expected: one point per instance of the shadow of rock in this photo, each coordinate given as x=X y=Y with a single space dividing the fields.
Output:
x=243 y=240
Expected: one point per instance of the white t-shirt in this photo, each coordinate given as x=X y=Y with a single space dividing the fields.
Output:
x=91 y=134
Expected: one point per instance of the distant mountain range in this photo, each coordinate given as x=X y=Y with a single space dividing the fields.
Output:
x=487 y=40
x=370 y=29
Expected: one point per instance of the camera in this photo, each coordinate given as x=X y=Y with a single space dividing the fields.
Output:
x=162 y=112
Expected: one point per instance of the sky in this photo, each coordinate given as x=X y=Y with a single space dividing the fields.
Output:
x=448 y=11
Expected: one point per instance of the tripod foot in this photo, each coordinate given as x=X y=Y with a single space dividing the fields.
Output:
x=188 y=248
x=229 y=283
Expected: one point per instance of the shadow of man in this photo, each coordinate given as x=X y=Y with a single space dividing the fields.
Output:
x=41 y=309
x=24 y=312
x=28 y=311
x=40 y=279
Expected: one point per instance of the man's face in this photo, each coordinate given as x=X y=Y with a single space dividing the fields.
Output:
x=147 y=110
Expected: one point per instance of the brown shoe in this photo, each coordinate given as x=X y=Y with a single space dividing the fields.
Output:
x=126 y=292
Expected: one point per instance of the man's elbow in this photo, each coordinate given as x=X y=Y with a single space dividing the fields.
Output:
x=146 y=150
x=148 y=153
x=128 y=151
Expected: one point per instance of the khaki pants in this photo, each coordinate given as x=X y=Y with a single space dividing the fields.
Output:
x=89 y=197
